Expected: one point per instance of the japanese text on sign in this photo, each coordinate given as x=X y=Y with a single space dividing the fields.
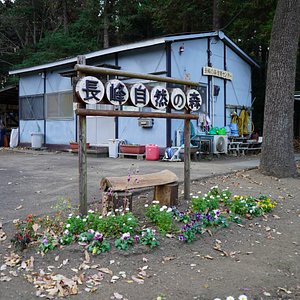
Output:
x=91 y=90
x=217 y=73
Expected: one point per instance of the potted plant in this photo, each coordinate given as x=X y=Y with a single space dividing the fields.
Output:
x=132 y=148
x=74 y=145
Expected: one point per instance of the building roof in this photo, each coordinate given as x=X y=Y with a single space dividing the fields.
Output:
x=138 y=45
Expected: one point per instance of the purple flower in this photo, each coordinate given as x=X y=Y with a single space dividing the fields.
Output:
x=181 y=237
x=45 y=241
x=125 y=236
x=137 y=238
x=209 y=217
x=98 y=236
x=198 y=216
x=128 y=178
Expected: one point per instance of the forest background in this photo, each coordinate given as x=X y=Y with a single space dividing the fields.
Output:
x=34 y=32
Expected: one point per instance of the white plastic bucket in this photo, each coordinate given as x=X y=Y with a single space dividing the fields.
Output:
x=36 y=139
x=113 y=148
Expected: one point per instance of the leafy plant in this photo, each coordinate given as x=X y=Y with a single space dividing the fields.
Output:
x=124 y=241
x=149 y=238
x=47 y=243
x=21 y=240
x=160 y=216
x=98 y=244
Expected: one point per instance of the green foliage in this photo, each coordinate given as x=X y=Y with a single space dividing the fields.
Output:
x=149 y=238
x=161 y=217
x=124 y=242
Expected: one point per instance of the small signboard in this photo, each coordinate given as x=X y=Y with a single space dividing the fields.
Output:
x=90 y=90
x=160 y=97
x=194 y=100
x=217 y=73
x=178 y=99
x=117 y=92
x=139 y=95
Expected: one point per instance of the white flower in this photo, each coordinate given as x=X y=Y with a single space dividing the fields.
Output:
x=164 y=207
x=129 y=219
x=155 y=202
x=199 y=192
x=84 y=220
x=229 y=298
x=211 y=197
x=161 y=209
x=205 y=195
x=116 y=210
x=109 y=213
x=191 y=194
x=77 y=217
x=66 y=232
x=100 y=217
x=243 y=297
x=217 y=299
x=90 y=211
x=127 y=208
x=70 y=215
x=68 y=225
x=92 y=231
x=146 y=205
x=169 y=209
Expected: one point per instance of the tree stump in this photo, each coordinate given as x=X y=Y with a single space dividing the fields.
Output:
x=116 y=200
x=167 y=194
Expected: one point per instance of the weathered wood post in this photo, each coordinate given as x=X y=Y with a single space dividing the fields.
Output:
x=187 y=156
x=82 y=155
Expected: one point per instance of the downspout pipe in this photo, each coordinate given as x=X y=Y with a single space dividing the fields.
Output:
x=169 y=74
x=44 y=105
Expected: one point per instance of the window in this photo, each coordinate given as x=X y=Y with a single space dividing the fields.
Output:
x=59 y=105
x=32 y=107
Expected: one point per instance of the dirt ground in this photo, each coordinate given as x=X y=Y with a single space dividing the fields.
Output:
x=264 y=258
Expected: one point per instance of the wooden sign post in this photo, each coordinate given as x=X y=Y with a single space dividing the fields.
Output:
x=93 y=91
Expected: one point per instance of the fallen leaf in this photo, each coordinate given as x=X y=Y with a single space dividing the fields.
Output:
x=19 y=207
x=284 y=290
x=35 y=227
x=56 y=258
x=114 y=279
x=5 y=278
x=138 y=280
x=111 y=262
x=168 y=258
x=268 y=228
x=106 y=270
x=208 y=257
x=74 y=270
x=87 y=257
x=3 y=267
x=276 y=217
x=145 y=259
x=267 y=294
x=118 y=296
x=65 y=261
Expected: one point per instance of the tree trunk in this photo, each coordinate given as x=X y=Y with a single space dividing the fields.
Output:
x=277 y=152
x=216 y=15
x=65 y=16
x=105 y=25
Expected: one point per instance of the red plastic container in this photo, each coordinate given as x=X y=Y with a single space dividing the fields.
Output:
x=152 y=152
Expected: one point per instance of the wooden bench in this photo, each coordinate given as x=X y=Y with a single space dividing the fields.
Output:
x=117 y=190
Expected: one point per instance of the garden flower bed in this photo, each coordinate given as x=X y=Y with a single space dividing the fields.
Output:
x=216 y=209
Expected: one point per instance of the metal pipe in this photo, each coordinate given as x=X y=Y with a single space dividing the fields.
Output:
x=90 y=70
x=133 y=114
